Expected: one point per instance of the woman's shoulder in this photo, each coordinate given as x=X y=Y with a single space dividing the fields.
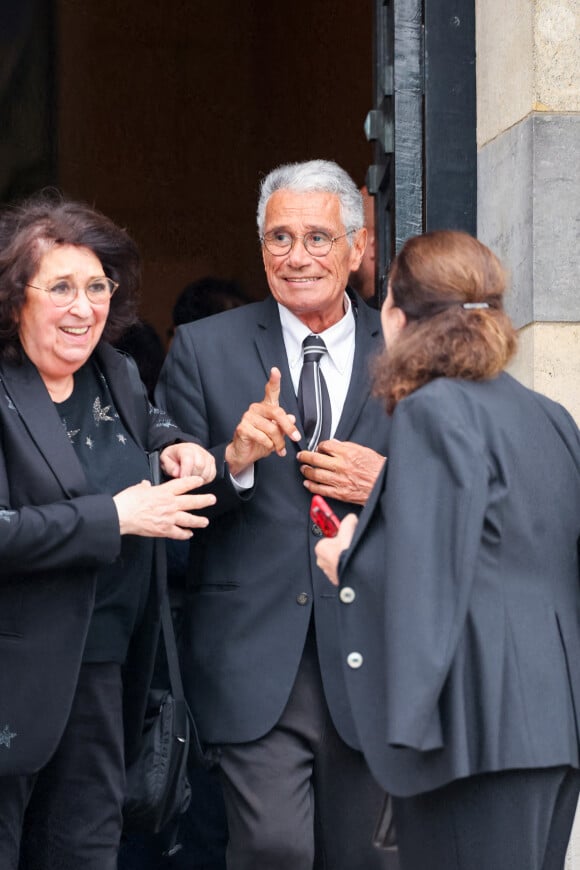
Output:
x=453 y=403
x=442 y=395
x=487 y=404
x=444 y=405
x=458 y=391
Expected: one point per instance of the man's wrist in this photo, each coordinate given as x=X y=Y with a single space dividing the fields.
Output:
x=235 y=467
x=244 y=480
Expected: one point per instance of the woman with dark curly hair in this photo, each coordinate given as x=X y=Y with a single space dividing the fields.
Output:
x=78 y=610
x=459 y=586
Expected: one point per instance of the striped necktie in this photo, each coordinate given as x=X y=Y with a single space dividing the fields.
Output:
x=313 y=398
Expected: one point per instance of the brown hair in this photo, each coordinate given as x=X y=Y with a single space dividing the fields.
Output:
x=27 y=229
x=430 y=280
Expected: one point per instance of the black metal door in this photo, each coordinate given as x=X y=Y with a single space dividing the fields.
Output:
x=423 y=122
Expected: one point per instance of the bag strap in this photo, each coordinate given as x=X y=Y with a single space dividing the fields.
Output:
x=183 y=715
x=167 y=630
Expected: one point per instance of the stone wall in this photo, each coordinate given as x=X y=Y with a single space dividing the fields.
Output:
x=528 y=110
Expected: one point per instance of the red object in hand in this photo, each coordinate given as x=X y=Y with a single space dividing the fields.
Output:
x=324 y=517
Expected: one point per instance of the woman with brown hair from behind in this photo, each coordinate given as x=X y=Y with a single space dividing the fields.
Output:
x=459 y=586
x=449 y=289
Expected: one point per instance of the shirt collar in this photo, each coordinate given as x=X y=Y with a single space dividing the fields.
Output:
x=336 y=337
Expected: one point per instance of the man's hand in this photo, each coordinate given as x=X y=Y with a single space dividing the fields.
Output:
x=328 y=550
x=341 y=469
x=185 y=459
x=262 y=430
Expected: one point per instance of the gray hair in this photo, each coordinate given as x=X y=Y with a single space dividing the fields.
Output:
x=314 y=176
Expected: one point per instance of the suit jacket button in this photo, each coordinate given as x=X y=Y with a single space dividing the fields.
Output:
x=316 y=530
x=354 y=660
x=302 y=598
x=347 y=595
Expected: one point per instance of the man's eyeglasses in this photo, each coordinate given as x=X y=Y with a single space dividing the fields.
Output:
x=63 y=293
x=317 y=242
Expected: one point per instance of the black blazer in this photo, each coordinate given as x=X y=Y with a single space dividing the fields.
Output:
x=460 y=593
x=54 y=535
x=254 y=578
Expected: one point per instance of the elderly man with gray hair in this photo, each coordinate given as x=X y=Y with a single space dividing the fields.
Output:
x=279 y=392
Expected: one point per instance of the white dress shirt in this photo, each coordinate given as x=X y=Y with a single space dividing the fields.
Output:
x=336 y=365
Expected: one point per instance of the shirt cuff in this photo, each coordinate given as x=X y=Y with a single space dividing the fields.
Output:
x=244 y=480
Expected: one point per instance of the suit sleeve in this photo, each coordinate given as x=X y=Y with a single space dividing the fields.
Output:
x=180 y=392
x=434 y=503
x=80 y=532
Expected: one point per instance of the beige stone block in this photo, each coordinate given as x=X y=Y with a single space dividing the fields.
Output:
x=557 y=55
x=522 y=365
x=504 y=65
x=548 y=360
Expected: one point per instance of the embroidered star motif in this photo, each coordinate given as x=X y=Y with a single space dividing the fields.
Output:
x=6 y=736
x=121 y=438
x=163 y=420
x=70 y=432
x=89 y=442
x=101 y=413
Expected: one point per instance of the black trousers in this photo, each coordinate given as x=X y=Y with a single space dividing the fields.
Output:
x=69 y=815
x=512 y=820
x=300 y=798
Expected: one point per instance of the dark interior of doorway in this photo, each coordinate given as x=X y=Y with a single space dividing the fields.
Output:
x=168 y=114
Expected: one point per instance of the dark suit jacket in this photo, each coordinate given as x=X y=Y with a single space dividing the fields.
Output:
x=255 y=580
x=54 y=535
x=462 y=589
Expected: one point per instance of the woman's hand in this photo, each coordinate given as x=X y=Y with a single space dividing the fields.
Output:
x=185 y=459
x=162 y=511
x=328 y=550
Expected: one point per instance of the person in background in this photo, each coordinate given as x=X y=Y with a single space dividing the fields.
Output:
x=261 y=663
x=204 y=297
x=363 y=279
x=77 y=515
x=459 y=583
x=142 y=341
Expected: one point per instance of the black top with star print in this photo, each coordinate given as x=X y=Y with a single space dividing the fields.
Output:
x=111 y=461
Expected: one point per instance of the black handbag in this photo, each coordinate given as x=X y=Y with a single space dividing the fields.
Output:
x=157 y=787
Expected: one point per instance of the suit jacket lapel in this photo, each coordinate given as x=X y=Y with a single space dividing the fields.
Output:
x=38 y=414
x=114 y=366
x=272 y=352
x=368 y=339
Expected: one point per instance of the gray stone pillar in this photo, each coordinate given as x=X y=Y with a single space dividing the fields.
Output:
x=528 y=132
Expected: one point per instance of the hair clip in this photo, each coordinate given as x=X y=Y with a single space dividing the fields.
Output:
x=471 y=305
